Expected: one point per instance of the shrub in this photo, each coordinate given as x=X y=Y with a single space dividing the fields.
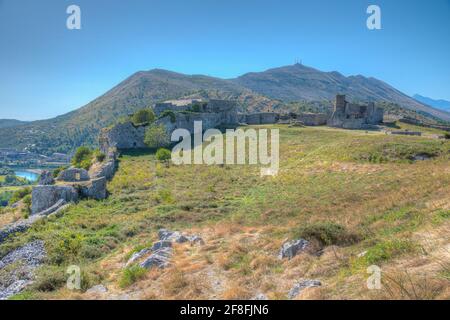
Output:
x=156 y=137
x=58 y=170
x=447 y=135
x=169 y=113
x=19 y=195
x=50 y=279
x=131 y=274
x=328 y=233
x=386 y=250
x=82 y=158
x=143 y=117
x=99 y=156
x=163 y=154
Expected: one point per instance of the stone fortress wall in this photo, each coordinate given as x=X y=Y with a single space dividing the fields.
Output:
x=219 y=113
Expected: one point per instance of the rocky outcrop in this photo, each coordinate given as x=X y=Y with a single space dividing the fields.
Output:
x=73 y=175
x=292 y=248
x=178 y=237
x=44 y=197
x=25 y=259
x=300 y=286
x=159 y=254
x=160 y=259
x=46 y=178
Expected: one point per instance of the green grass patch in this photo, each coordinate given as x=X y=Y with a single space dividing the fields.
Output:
x=131 y=275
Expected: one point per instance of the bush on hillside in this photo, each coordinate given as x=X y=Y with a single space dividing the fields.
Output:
x=82 y=158
x=328 y=233
x=163 y=154
x=156 y=137
x=143 y=117
x=99 y=156
x=19 y=195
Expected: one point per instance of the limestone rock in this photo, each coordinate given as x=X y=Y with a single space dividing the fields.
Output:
x=159 y=259
x=73 y=175
x=46 y=178
x=178 y=237
x=137 y=255
x=44 y=197
x=98 y=289
x=161 y=244
x=292 y=248
x=28 y=258
x=299 y=286
x=260 y=296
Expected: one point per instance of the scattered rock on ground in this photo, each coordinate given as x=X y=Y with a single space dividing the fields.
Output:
x=291 y=248
x=298 y=287
x=27 y=258
x=260 y=296
x=178 y=237
x=98 y=289
x=159 y=258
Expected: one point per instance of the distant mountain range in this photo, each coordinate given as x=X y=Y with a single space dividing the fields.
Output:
x=268 y=90
x=439 y=104
x=8 y=123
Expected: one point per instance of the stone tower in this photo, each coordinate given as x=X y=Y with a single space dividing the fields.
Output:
x=339 y=105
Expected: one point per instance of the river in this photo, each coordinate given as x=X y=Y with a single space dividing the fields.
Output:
x=29 y=175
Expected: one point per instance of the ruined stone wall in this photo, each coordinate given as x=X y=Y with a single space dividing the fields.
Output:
x=312 y=119
x=261 y=118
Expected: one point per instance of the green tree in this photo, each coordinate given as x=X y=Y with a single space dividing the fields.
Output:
x=82 y=158
x=144 y=116
x=163 y=154
x=156 y=137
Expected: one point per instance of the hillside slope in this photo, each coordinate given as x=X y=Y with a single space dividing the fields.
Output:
x=362 y=202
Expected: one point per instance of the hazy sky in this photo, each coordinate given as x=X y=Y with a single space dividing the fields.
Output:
x=47 y=70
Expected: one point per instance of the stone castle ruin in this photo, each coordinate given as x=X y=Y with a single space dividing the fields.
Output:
x=182 y=113
x=173 y=114
x=354 y=116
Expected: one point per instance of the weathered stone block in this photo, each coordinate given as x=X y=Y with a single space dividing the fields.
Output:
x=43 y=197
x=73 y=175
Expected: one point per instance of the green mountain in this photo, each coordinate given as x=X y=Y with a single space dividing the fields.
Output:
x=269 y=90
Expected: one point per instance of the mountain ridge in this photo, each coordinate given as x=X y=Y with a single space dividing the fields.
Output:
x=256 y=91
x=436 y=103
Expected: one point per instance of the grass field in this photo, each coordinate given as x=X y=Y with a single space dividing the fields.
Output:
x=356 y=195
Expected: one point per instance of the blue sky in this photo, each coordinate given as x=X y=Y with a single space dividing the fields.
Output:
x=47 y=70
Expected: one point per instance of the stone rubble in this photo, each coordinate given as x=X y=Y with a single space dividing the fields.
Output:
x=300 y=286
x=292 y=248
x=28 y=258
